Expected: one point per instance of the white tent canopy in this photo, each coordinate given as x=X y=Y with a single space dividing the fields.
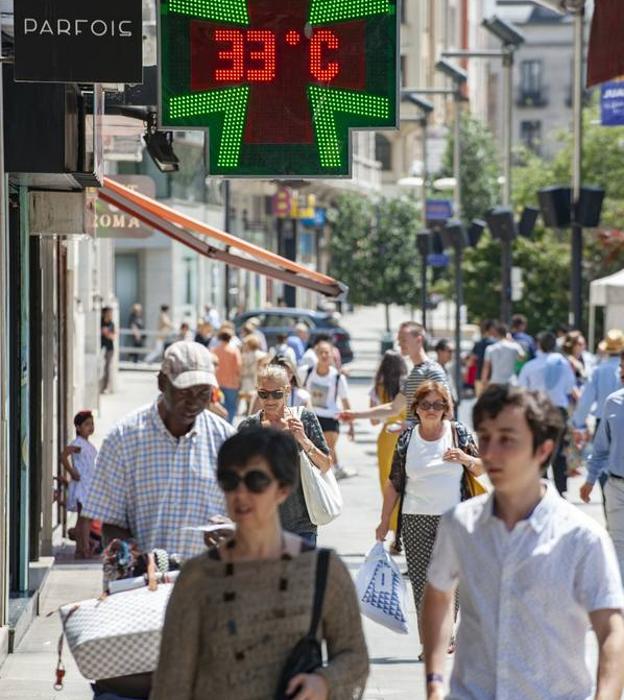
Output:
x=607 y=292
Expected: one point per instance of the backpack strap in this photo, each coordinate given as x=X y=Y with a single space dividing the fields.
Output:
x=322 y=567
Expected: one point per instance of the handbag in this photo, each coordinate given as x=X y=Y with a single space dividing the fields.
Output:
x=320 y=490
x=307 y=655
x=381 y=590
x=471 y=486
x=116 y=635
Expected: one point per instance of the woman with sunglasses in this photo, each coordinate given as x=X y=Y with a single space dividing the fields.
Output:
x=273 y=395
x=427 y=479
x=237 y=611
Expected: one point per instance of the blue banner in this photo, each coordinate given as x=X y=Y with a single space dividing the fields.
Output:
x=612 y=103
x=439 y=209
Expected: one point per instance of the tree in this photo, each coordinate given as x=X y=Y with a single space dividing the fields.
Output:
x=373 y=250
x=480 y=168
x=544 y=259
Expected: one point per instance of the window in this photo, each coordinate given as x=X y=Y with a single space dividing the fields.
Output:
x=531 y=134
x=383 y=151
x=403 y=74
x=531 y=76
x=532 y=91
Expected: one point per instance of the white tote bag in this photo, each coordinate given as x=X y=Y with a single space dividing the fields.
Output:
x=321 y=492
x=118 y=635
x=381 y=590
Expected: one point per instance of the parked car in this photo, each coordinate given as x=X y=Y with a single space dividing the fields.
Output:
x=274 y=322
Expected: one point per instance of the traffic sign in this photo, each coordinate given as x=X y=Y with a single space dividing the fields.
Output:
x=612 y=103
x=439 y=209
x=279 y=84
x=438 y=260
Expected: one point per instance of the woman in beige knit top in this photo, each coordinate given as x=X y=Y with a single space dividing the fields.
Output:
x=237 y=612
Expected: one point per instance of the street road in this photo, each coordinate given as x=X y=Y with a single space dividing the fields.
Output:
x=395 y=671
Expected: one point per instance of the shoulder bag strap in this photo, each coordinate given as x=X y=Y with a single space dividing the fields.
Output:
x=454 y=433
x=322 y=567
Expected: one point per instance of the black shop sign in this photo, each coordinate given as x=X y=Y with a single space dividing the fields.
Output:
x=78 y=41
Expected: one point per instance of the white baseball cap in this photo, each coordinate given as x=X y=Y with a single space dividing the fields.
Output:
x=187 y=364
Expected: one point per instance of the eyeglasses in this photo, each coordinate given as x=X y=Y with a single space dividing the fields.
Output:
x=277 y=394
x=436 y=405
x=254 y=480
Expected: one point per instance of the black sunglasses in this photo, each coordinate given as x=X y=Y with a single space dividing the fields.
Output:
x=277 y=394
x=254 y=480
x=436 y=405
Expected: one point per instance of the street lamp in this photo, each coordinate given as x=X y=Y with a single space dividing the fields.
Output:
x=423 y=243
x=510 y=39
x=454 y=236
x=577 y=9
x=426 y=108
x=459 y=77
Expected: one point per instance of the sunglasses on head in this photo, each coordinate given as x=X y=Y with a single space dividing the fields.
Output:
x=277 y=394
x=436 y=405
x=254 y=480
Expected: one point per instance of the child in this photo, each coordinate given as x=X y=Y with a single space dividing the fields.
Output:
x=80 y=467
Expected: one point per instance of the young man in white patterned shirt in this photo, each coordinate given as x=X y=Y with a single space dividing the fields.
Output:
x=532 y=571
x=155 y=475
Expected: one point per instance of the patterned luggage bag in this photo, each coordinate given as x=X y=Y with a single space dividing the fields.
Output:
x=118 y=635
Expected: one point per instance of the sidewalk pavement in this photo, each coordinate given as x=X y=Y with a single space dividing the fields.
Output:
x=395 y=671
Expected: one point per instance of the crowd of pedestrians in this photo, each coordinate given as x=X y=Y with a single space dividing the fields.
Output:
x=528 y=571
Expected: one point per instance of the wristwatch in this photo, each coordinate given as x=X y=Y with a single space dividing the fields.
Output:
x=434 y=678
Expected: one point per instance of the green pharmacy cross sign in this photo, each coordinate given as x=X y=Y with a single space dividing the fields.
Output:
x=279 y=83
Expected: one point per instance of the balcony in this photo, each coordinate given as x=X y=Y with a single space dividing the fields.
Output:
x=532 y=97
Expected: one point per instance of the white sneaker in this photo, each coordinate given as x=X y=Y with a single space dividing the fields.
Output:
x=343 y=472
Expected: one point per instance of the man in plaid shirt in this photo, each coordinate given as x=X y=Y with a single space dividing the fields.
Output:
x=155 y=473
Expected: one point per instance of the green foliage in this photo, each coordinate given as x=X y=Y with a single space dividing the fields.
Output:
x=545 y=259
x=373 y=249
x=480 y=165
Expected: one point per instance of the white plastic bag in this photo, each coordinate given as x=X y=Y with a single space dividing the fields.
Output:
x=381 y=590
x=320 y=490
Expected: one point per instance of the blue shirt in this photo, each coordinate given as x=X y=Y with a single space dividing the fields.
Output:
x=552 y=374
x=157 y=485
x=295 y=342
x=604 y=380
x=527 y=342
x=608 y=454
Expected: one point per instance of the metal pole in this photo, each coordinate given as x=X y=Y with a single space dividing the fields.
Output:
x=576 y=279
x=457 y=155
x=423 y=264
x=423 y=289
x=4 y=383
x=459 y=297
x=506 y=252
x=459 y=301
x=226 y=225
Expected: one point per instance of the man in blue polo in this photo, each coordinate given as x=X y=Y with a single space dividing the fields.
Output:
x=608 y=458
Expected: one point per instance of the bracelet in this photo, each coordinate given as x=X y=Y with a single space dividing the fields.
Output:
x=434 y=678
x=310 y=450
x=470 y=464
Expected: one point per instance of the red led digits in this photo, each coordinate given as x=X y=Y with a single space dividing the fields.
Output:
x=258 y=47
x=266 y=54
x=323 y=72
x=236 y=55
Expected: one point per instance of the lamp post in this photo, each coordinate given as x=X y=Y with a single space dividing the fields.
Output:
x=577 y=9
x=423 y=242
x=458 y=78
x=511 y=39
x=454 y=236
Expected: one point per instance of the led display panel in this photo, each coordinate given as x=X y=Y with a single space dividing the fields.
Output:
x=279 y=84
